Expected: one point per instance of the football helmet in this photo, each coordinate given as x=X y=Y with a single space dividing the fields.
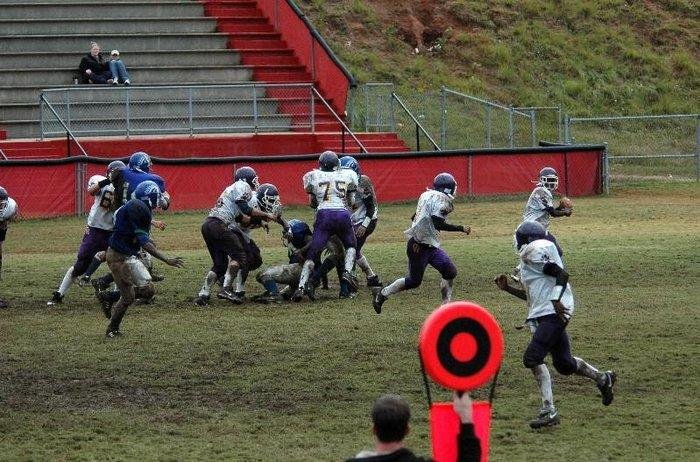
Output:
x=149 y=193
x=351 y=163
x=140 y=162
x=3 y=194
x=296 y=233
x=549 y=178
x=94 y=180
x=115 y=165
x=445 y=183
x=527 y=232
x=248 y=175
x=328 y=161
x=268 y=198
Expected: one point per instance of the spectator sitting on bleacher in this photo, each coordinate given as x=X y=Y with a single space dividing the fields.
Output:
x=118 y=69
x=93 y=68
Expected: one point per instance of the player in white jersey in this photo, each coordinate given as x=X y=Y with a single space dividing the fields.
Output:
x=550 y=303
x=540 y=205
x=100 y=223
x=423 y=246
x=365 y=212
x=8 y=212
x=330 y=190
x=226 y=247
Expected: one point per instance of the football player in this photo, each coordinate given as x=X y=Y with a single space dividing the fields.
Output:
x=132 y=226
x=550 y=301
x=423 y=246
x=100 y=222
x=297 y=237
x=330 y=192
x=266 y=199
x=540 y=205
x=226 y=247
x=364 y=216
x=8 y=212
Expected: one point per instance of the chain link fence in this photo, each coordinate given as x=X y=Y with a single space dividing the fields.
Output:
x=126 y=111
x=659 y=147
x=452 y=119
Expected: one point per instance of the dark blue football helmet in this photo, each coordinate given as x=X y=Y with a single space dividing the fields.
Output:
x=527 y=232
x=3 y=194
x=445 y=183
x=328 y=161
x=351 y=163
x=268 y=198
x=296 y=233
x=140 y=162
x=549 y=178
x=149 y=193
x=248 y=175
x=115 y=165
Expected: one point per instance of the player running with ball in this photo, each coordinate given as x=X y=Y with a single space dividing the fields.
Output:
x=423 y=246
x=551 y=304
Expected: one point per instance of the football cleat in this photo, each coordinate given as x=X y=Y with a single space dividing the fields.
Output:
x=378 y=301
x=606 y=390
x=225 y=294
x=374 y=281
x=546 y=418
x=105 y=303
x=298 y=295
x=351 y=280
x=310 y=290
x=202 y=300
x=57 y=299
x=113 y=333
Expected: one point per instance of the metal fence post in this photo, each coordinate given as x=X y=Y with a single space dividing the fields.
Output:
x=567 y=130
x=41 y=116
x=559 y=122
x=697 y=149
x=487 y=124
x=190 y=110
x=443 y=115
x=417 y=138
x=312 y=112
x=511 y=127
x=68 y=108
x=606 y=170
x=533 y=126
x=255 y=109
x=128 y=112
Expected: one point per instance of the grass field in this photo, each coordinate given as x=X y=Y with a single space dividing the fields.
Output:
x=296 y=381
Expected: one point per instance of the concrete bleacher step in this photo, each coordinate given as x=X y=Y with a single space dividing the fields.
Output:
x=127 y=42
x=106 y=26
x=39 y=59
x=162 y=74
x=111 y=9
x=143 y=126
x=142 y=108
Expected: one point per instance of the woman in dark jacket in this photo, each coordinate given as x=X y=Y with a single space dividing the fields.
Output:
x=93 y=68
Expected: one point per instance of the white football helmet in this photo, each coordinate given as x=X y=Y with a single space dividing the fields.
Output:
x=549 y=178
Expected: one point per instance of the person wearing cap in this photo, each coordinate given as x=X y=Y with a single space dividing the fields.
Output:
x=118 y=69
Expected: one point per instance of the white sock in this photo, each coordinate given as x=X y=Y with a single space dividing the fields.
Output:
x=239 y=282
x=364 y=266
x=209 y=280
x=446 y=290
x=350 y=259
x=544 y=382
x=586 y=370
x=305 y=273
x=67 y=281
x=394 y=287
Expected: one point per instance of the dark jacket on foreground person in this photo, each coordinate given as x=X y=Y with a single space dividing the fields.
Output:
x=468 y=450
x=98 y=66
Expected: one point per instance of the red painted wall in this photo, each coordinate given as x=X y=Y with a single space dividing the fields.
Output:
x=196 y=184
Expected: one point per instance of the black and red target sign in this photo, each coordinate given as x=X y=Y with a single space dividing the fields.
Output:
x=461 y=346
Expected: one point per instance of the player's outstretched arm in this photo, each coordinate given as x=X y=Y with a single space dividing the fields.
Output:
x=502 y=282
x=177 y=262
x=442 y=225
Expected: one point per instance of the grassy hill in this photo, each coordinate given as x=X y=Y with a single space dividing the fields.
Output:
x=590 y=56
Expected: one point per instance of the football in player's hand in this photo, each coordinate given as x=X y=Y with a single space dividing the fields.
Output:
x=566 y=203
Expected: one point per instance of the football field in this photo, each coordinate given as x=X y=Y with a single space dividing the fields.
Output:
x=296 y=381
